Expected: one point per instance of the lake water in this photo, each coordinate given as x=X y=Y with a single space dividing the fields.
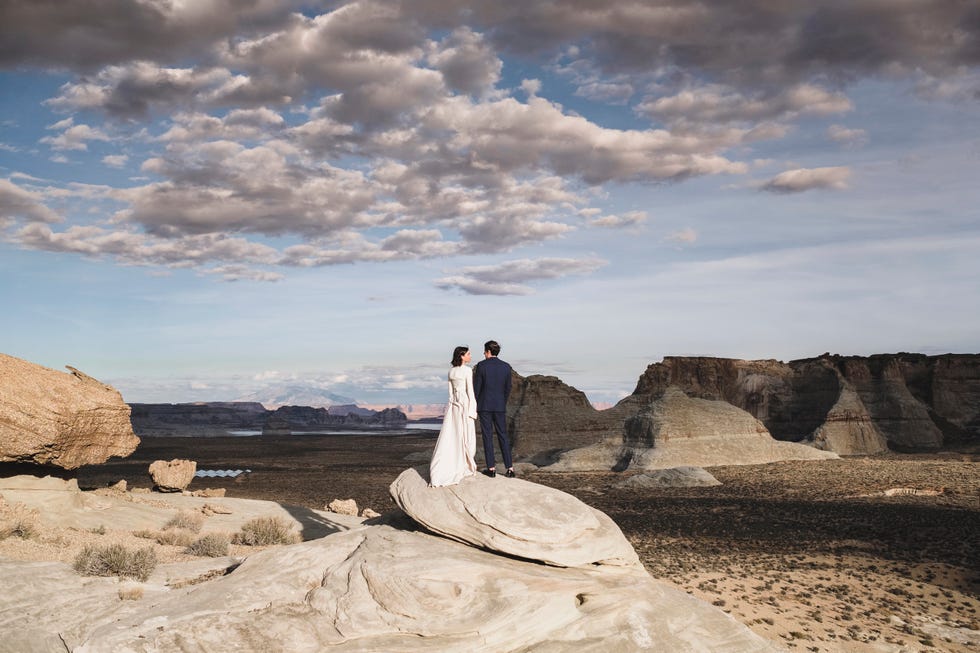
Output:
x=402 y=430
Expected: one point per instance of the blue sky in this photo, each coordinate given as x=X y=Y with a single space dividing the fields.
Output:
x=206 y=200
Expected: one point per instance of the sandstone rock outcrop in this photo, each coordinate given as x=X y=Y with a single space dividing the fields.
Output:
x=522 y=519
x=912 y=402
x=373 y=587
x=677 y=430
x=172 y=475
x=63 y=420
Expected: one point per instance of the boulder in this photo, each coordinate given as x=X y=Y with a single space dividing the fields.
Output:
x=63 y=420
x=343 y=507
x=673 y=477
x=514 y=517
x=173 y=475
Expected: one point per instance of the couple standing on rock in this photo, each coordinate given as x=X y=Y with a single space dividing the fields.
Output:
x=480 y=393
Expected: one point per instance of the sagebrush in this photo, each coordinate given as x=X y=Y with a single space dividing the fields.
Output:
x=185 y=520
x=212 y=545
x=263 y=531
x=116 y=560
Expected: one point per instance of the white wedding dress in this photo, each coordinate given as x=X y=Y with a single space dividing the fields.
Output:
x=452 y=459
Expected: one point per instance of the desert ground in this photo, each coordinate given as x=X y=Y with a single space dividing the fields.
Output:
x=862 y=554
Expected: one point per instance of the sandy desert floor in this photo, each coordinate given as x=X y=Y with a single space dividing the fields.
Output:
x=812 y=555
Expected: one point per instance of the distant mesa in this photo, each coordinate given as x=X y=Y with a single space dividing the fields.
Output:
x=219 y=418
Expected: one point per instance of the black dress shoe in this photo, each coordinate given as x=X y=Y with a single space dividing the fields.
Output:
x=511 y=474
x=490 y=472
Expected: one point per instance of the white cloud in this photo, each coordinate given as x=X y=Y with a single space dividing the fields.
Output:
x=804 y=179
x=16 y=202
x=115 y=160
x=74 y=137
x=628 y=219
x=512 y=277
x=717 y=105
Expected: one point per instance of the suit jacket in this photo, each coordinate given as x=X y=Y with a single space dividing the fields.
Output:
x=491 y=384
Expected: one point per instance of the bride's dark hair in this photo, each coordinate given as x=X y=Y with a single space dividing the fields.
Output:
x=458 y=354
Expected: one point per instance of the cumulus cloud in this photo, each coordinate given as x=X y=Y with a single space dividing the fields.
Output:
x=512 y=277
x=74 y=137
x=115 y=160
x=804 y=179
x=84 y=34
x=467 y=62
x=718 y=105
x=754 y=41
x=380 y=131
x=18 y=203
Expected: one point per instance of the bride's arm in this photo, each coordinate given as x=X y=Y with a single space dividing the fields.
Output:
x=470 y=396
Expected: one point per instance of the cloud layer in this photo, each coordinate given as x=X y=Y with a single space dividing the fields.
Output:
x=259 y=138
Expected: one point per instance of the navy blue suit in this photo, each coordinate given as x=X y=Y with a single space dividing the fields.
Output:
x=491 y=385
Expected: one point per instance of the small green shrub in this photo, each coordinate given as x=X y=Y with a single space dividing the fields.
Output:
x=99 y=531
x=263 y=531
x=212 y=545
x=185 y=520
x=116 y=560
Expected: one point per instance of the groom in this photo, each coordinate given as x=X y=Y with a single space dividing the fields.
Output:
x=491 y=384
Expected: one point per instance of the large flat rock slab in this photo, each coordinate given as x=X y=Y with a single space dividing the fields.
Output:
x=60 y=503
x=514 y=517
x=376 y=588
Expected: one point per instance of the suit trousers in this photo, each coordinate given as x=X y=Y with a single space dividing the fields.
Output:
x=490 y=419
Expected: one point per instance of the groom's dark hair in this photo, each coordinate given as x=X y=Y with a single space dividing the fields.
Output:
x=492 y=347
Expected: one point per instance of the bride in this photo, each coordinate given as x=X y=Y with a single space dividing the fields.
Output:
x=452 y=459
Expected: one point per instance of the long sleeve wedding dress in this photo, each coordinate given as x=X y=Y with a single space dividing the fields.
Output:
x=452 y=459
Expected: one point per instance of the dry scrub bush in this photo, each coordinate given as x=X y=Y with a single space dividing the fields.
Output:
x=134 y=593
x=17 y=520
x=188 y=521
x=169 y=538
x=116 y=560
x=175 y=537
x=212 y=545
x=263 y=531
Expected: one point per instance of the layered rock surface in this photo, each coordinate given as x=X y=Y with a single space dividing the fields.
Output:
x=379 y=586
x=676 y=430
x=526 y=520
x=63 y=420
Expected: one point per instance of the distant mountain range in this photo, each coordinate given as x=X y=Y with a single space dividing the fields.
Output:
x=296 y=394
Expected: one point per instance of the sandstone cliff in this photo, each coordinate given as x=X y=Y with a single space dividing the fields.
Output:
x=844 y=404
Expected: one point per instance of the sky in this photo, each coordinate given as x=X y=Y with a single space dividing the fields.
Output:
x=203 y=200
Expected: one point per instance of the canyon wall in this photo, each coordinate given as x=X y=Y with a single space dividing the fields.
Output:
x=845 y=404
